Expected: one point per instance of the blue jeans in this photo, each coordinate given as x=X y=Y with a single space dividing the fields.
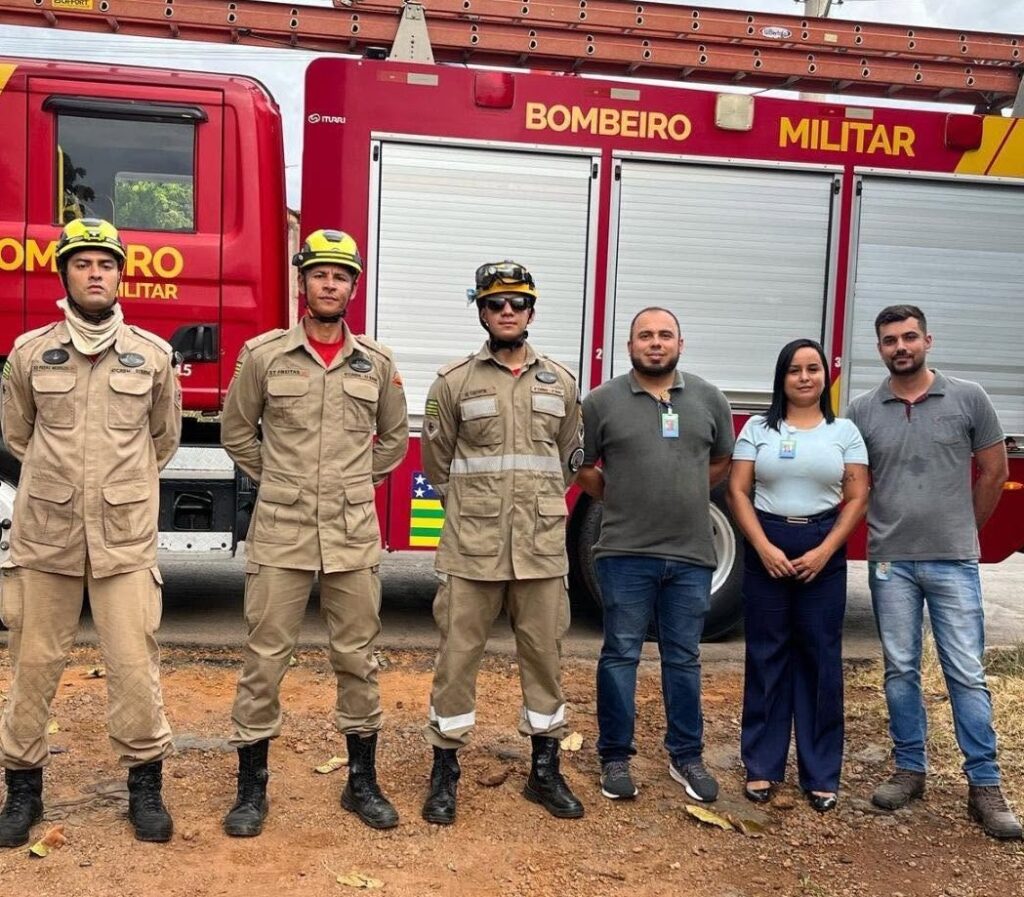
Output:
x=952 y=592
x=676 y=594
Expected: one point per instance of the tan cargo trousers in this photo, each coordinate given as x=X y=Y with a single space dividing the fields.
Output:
x=465 y=610
x=275 y=604
x=42 y=611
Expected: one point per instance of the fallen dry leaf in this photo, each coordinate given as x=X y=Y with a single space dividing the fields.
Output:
x=572 y=742
x=331 y=765
x=95 y=673
x=706 y=816
x=53 y=727
x=749 y=827
x=54 y=839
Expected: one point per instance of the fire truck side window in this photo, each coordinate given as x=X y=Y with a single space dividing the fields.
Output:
x=137 y=174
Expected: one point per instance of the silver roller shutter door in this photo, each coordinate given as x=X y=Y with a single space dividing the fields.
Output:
x=740 y=254
x=956 y=250
x=445 y=210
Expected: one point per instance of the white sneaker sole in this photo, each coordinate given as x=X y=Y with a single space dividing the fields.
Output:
x=678 y=776
x=611 y=796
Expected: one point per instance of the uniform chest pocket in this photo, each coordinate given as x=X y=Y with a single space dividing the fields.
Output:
x=481 y=424
x=48 y=512
x=54 y=393
x=547 y=411
x=951 y=429
x=286 y=402
x=129 y=514
x=360 y=403
x=130 y=400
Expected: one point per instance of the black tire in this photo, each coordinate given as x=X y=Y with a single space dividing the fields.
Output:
x=726 y=611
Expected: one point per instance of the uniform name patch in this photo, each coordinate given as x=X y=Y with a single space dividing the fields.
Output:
x=131 y=359
x=55 y=356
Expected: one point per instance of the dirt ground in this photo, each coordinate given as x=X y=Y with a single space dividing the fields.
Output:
x=500 y=844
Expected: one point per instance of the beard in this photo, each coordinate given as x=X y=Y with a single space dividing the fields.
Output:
x=654 y=370
x=905 y=371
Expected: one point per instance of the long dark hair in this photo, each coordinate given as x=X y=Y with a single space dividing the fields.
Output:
x=777 y=410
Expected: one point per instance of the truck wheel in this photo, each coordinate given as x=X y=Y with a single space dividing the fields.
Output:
x=726 y=611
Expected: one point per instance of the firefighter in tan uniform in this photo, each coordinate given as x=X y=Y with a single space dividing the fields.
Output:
x=318 y=393
x=501 y=444
x=92 y=410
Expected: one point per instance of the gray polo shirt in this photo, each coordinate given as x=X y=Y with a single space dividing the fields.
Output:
x=656 y=488
x=921 y=507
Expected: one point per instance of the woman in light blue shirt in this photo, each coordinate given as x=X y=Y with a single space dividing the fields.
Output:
x=798 y=487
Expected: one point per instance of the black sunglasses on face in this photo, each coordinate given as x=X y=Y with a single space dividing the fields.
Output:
x=518 y=303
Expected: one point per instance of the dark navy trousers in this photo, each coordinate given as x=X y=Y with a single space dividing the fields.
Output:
x=794 y=662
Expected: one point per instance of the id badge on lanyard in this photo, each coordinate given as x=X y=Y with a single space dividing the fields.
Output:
x=787 y=448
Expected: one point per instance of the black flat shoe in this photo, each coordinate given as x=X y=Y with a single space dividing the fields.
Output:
x=758 y=795
x=823 y=803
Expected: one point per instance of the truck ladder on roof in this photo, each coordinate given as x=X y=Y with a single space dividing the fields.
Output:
x=611 y=37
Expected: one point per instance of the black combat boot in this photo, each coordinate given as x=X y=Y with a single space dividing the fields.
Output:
x=246 y=817
x=361 y=795
x=439 y=806
x=24 y=806
x=146 y=810
x=546 y=785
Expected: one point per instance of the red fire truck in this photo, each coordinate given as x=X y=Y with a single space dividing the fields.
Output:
x=756 y=219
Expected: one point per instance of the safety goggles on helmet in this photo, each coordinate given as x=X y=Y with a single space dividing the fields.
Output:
x=502 y=277
x=90 y=233
x=518 y=301
x=329 y=247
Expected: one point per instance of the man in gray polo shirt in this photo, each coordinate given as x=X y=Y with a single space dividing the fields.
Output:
x=664 y=438
x=921 y=429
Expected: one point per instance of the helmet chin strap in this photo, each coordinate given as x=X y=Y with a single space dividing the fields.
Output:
x=497 y=345
x=327 y=319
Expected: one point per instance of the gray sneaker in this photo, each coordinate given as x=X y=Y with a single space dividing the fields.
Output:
x=903 y=786
x=616 y=782
x=694 y=777
x=987 y=806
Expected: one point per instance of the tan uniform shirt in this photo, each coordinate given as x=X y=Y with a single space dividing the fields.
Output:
x=501 y=450
x=92 y=439
x=316 y=459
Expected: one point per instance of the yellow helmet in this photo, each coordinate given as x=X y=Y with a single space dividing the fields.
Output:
x=90 y=233
x=503 y=277
x=329 y=247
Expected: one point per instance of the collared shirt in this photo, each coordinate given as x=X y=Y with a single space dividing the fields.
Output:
x=656 y=488
x=921 y=505
x=305 y=431
x=92 y=436
x=502 y=449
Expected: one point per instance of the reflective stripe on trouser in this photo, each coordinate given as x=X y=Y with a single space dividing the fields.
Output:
x=275 y=605
x=464 y=610
x=42 y=611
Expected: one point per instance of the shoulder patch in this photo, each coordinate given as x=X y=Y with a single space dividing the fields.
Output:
x=33 y=334
x=152 y=338
x=455 y=365
x=263 y=338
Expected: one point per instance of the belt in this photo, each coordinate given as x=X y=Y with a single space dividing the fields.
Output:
x=812 y=518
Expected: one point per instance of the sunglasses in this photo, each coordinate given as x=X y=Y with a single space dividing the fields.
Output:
x=518 y=303
x=507 y=273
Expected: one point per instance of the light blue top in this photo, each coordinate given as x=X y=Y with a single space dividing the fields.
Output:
x=809 y=482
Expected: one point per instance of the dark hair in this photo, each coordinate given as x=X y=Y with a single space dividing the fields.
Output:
x=777 y=410
x=893 y=314
x=643 y=311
